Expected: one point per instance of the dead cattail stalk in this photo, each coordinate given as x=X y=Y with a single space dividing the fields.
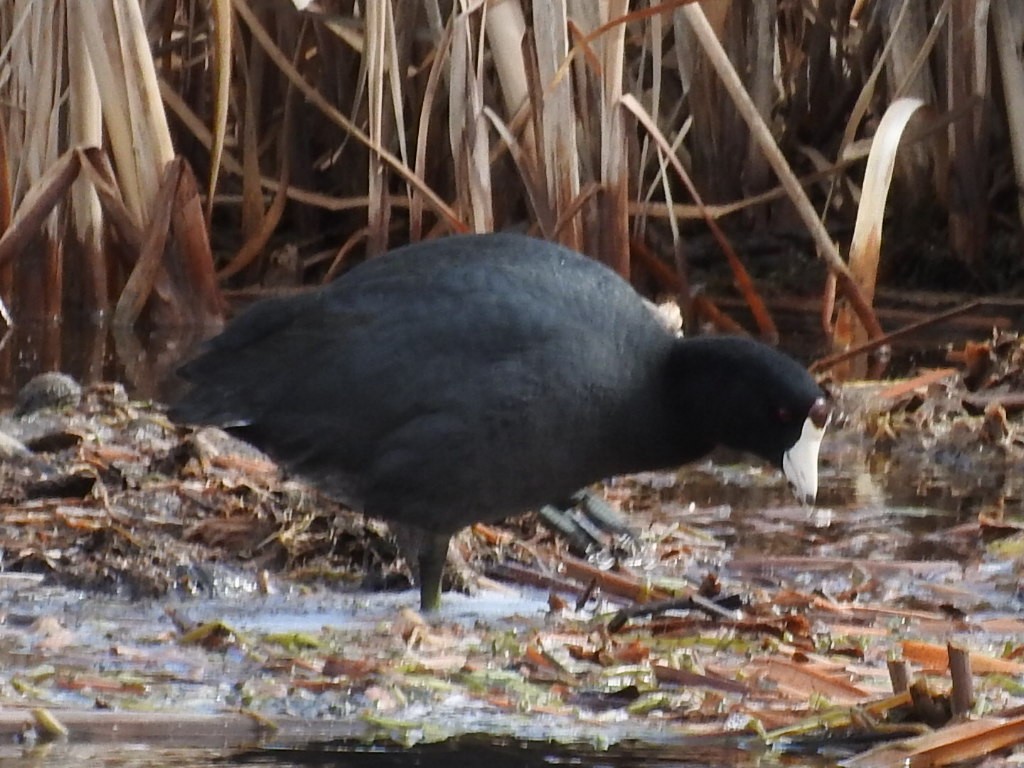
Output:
x=555 y=112
x=86 y=129
x=140 y=284
x=467 y=130
x=443 y=210
x=741 y=277
x=865 y=248
x=826 y=248
x=967 y=79
x=1007 y=27
x=220 y=14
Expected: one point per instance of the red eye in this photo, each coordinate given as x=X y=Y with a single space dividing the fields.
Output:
x=784 y=415
x=820 y=413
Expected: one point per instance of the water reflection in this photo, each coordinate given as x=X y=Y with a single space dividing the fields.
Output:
x=143 y=361
x=469 y=751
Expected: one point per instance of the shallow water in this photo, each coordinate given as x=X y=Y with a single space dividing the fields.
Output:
x=756 y=537
x=473 y=751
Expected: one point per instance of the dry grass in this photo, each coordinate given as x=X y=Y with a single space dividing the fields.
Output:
x=348 y=127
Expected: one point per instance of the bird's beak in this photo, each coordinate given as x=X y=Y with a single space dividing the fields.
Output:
x=800 y=463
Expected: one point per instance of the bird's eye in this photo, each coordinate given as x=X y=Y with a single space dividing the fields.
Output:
x=820 y=413
x=784 y=415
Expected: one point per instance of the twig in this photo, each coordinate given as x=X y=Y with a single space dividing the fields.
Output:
x=827 y=362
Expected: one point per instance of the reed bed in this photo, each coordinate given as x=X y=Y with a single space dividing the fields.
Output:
x=152 y=153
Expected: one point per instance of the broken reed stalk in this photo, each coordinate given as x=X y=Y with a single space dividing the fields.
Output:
x=899 y=675
x=37 y=204
x=196 y=294
x=140 y=283
x=962 y=698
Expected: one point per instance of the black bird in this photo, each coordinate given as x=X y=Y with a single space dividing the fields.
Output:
x=474 y=377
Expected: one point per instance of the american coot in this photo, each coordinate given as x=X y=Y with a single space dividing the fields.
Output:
x=473 y=377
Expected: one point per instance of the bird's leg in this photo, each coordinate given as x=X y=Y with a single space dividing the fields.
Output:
x=432 y=555
x=584 y=533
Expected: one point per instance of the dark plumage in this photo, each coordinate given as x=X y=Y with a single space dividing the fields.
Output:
x=469 y=378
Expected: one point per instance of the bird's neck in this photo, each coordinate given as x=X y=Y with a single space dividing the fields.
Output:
x=663 y=428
